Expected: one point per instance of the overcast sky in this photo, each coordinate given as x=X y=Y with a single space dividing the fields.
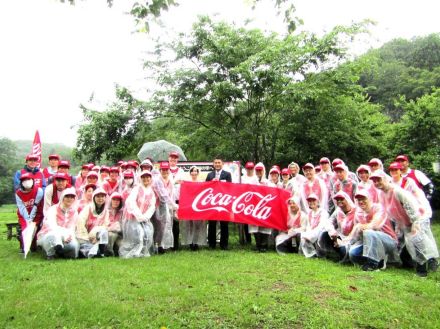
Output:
x=55 y=56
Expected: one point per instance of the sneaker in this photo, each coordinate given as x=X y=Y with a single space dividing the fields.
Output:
x=160 y=250
x=370 y=266
x=421 y=270
x=59 y=251
x=432 y=265
x=382 y=264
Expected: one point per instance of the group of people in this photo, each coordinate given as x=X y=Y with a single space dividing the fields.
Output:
x=366 y=217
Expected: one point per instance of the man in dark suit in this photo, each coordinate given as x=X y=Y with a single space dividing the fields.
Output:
x=218 y=174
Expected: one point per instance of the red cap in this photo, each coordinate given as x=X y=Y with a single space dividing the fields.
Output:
x=259 y=166
x=124 y=165
x=173 y=154
x=116 y=195
x=164 y=165
x=401 y=158
x=54 y=156
x=274 y=169
x=312 y=196
x=85 y=166
x=25 y=176
x=92 y=174
x=336 y=162
x=249 y=165
x=340 y=167
x=146 y=172
x=318 y=168
x=32 y=157
x=324 y=160
x=395 y=165
x=285 y=171
x=363 y=168
x=119 y=163
x=128 y=174
x=64 y=163
x=339 y=195
x=89 y=186
x=114 y=169
x=61 y=175
x=374 y=161
x=308 y=165
x=132 y=163
x=104 y=168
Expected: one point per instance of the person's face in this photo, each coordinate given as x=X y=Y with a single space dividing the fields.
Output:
x=68 y=200
x=404 y=164
x=194 y=174
x=379 y=183
x=274 y=177
x=104 y=175
x=325 y=166
x=363 y=203
x=285 y=177
x=116 y=203
x=218 y=164
x=84 y=172
x=31 y=163
x=340 y=174
x=53 y=162
x=60 y=184
x=89 y=193
x=343 y=204
x=293 y=170
x=146 y=179
x=395 y=173
x=114 y=175
x=259 y=173
x=363 y=175
x=250 y=171
x=293 y=207
x=100 y=199
x=146 y=167
x=63 y=170
x=374 y=166
x=173 y=161
x=164 y=173
x=309 y=173
x=92 y=180
x=313 y=204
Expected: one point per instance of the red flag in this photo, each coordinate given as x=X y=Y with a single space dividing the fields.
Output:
x=241 y=203
x=36 y=147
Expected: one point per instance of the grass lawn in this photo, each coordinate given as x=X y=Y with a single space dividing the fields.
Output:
x=209 y=289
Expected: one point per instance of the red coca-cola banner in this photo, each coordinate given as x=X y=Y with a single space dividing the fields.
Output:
x=241 y=203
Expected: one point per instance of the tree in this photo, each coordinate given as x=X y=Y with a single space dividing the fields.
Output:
x=8 y=166
x=232 y=90
x=110 y=134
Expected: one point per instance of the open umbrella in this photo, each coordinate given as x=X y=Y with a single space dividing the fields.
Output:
x=27 y=235
x=159 y=151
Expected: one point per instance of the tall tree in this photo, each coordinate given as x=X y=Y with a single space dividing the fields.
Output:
x=235 y=88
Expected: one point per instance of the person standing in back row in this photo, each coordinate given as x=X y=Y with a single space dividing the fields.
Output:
x=218 y=174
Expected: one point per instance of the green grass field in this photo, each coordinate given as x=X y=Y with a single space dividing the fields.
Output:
x=209 y=289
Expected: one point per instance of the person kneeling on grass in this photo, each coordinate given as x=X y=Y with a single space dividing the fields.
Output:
x=57 y=236
x=92 y=226
x=333 y=239
x=317 y=221
x=116 y=208
x=297 y=222
x=373 y=240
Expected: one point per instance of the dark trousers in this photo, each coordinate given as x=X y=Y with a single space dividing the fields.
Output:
x=261 y=240
x=212 y=234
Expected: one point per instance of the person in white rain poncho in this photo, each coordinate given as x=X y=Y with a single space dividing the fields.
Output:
x=115 y=209
x=363 y=172
x=296 y=180
x=317 y=221
x=162 y=221
x=249 y=177
x=86 y=197
x=342 y=182
x=313 y=185
x=260 y=233
x=285 y=178
x=297 y=222
x=57 y=236
x=326 y=172
x=128 y=184
x=92 y=226
x=137 y=230
x=373 y=240
x=193 y=231
x=274 y=177
x=404 y=209
x=334 y=238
